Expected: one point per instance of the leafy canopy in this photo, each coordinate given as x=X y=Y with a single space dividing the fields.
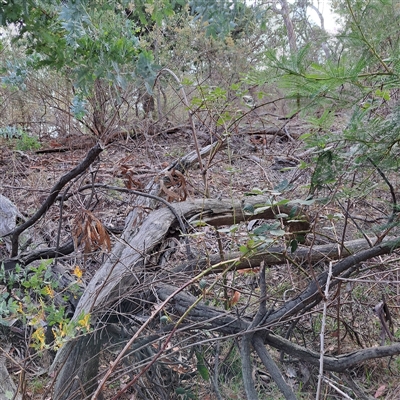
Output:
x=100 y=39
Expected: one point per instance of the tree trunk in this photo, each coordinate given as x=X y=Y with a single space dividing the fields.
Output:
x=77 y=377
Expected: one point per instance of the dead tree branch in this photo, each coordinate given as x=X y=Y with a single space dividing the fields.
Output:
x=89 y=159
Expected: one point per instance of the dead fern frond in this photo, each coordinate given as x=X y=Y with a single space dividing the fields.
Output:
x=174 y=186
x=130 y=179
x=89 y=232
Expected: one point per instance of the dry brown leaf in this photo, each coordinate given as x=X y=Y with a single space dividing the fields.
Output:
x=253 y=271
x=90 y=232
x=380 y=391
x=234 y=299
x=130 y=178
x=170 y=194
x=174 y=186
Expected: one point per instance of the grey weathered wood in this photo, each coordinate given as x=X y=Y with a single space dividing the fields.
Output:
x=125 y=268
x=276 y=255
x=77 y=377
x=224 y=322
x=8 y=219
x=117 y=275
x=339 y=363
x=125 y=264
x=7 y=386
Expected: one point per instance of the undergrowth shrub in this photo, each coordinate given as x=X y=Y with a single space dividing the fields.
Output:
x=35 y=297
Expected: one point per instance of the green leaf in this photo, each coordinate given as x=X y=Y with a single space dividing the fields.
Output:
x=203 y=284
x=281 y=215
x=248 y=209
x=302 y=202
x=303 y=165
x=198 y=223
x=324 y=172
x=305 y=136
x=282 y=202
x=293 y=245
x=265 y=229
x=282 y=186
x=278 y=232
x=260 y=210
x=244 y=249
x=201 y=367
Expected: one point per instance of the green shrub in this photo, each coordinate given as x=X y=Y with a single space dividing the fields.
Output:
x=26 y=142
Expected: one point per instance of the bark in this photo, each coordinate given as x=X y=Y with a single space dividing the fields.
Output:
x=206 y=317
x=276 y=255
x=339 y=363
x=125 y=267
x=272 y=368
x=229 y=323
x=121 y=271
x=7 y=386
x=77 y=377
x=125 y=264
x=285 y=12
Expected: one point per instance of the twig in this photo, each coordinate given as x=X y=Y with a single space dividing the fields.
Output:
x=391 y=188
x=322 y=334
x=339 y=363
x=346 y=218
x=177 y=324
x=196 y=142
x=258 y=343
x=371 y=48
x=357 y=225
x=153 y=197
x=142 y=328
x=247 y=369
x=272 y=368
x=330 y=383
x=60 y=218
x=90 y=158
x=247 y=339
x=43 y=254
x=358 y=392
x=214 y=380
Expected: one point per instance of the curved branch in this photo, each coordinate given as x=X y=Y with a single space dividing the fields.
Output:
x=89 y=159
x=391 y=188
x=230 y=324
x=277 y=255
x=194 y=135
x=320 y=16
x=312 y=292
x=370 y=46
x=332 y=363
x=43 y=254
x=247 y=370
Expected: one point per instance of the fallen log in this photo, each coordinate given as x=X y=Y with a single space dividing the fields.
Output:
x=125 y=272
x=126 y=261
x=126 y=268
x=276 y=255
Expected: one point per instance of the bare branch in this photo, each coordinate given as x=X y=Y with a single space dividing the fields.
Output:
x=332 y=363
x=89 y=159
x=272 y=368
